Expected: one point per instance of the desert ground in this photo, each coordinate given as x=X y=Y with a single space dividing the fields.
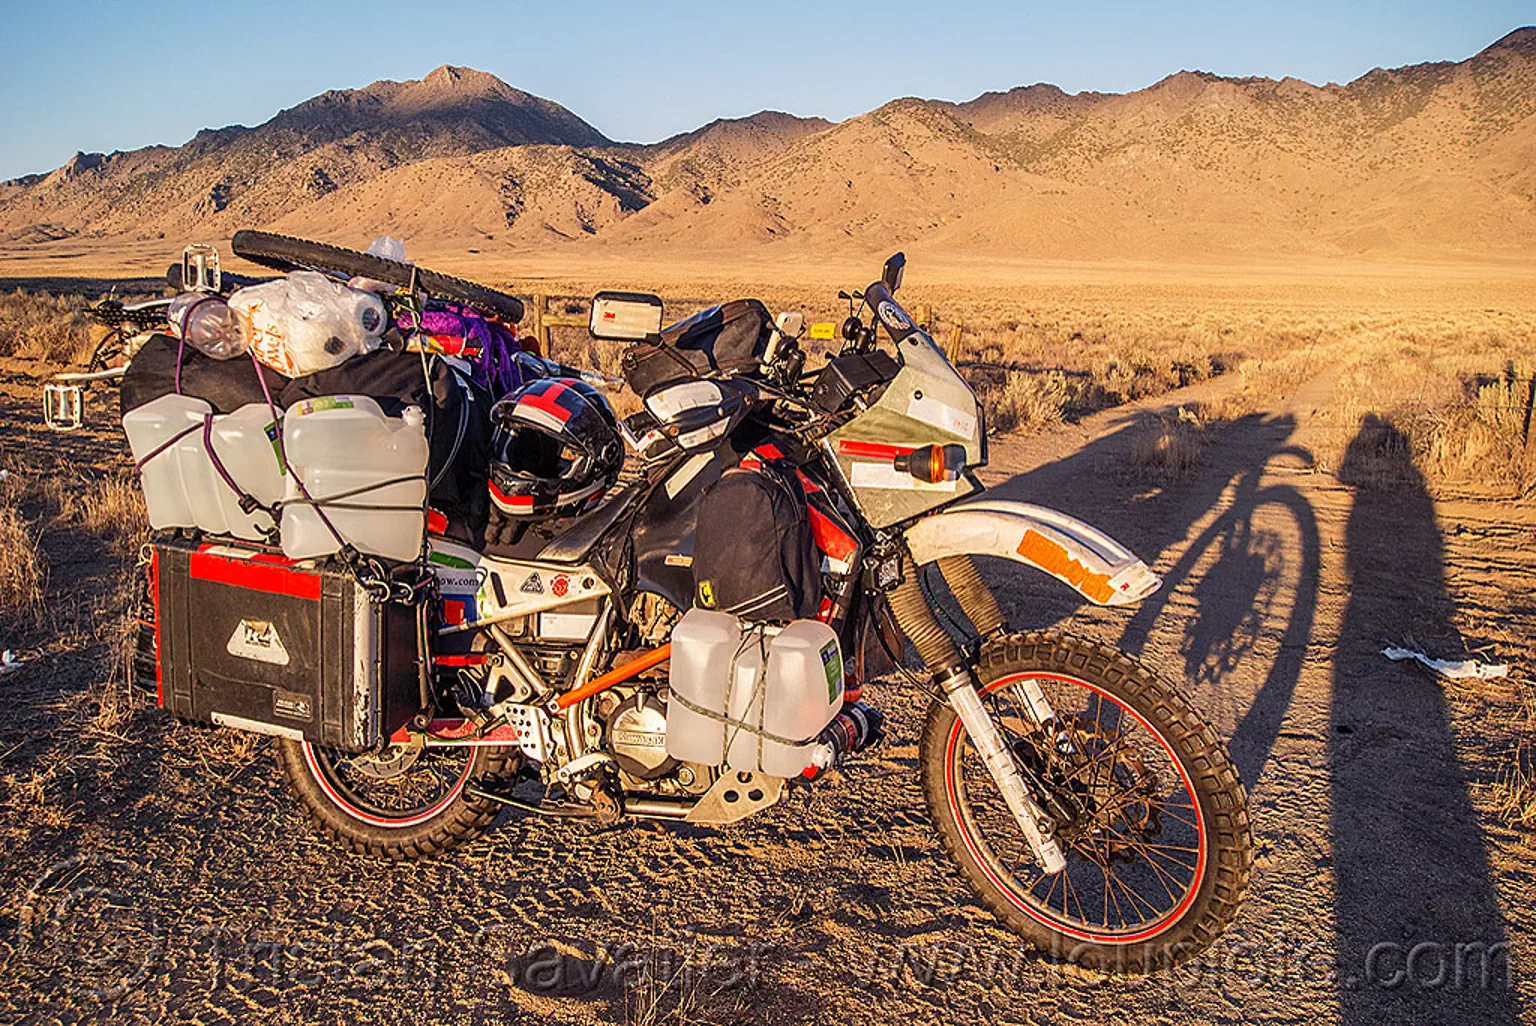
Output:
x=1322 y=460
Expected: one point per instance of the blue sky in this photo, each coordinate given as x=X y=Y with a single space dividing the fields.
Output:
x=96 y=75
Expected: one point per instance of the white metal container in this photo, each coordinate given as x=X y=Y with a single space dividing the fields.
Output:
x=343 y=452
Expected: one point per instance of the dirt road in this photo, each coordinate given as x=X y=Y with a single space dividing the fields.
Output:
x=188 y=887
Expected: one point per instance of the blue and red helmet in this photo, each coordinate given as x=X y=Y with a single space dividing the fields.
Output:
x=556 y=449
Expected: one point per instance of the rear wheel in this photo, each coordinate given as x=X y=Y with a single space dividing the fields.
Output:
x=408 y=802
x=283 y=253
x=1154 y=820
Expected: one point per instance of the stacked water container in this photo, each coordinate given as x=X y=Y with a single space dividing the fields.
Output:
x=338 y=472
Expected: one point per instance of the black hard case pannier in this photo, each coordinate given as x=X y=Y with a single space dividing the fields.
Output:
x=249 y=639
x=730 y=338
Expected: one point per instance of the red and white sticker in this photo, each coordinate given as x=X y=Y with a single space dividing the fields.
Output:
x=943 y=416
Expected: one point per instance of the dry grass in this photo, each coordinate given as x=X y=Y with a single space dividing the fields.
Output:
x=113 y=508
x=23 y=570
x=29 y=798
x=45 y=327
x=1169 y=448
x=1458 y=414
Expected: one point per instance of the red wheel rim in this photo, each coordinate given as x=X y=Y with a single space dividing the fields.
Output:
x=977 y=846
x=322 y=776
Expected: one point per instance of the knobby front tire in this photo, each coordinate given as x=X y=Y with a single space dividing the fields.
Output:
x=1157 y=869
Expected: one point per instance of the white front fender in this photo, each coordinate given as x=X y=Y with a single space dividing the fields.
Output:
x=1098 y=567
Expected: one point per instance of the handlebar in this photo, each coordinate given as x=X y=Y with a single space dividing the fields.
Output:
x=888 y=312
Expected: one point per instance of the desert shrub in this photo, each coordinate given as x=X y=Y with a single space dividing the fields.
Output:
x=1168 y=448
x=43 y=326
x=1027 y=401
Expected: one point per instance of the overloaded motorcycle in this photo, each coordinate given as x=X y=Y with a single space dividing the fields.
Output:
x=674 y=617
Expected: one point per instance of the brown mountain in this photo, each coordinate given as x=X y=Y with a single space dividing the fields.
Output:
x=1431 y=160
x=230 y=177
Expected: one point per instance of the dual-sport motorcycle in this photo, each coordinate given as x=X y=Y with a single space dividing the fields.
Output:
x=1084 y=800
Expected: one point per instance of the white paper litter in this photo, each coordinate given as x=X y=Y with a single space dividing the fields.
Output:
x=1466 y=668
x=9 y=662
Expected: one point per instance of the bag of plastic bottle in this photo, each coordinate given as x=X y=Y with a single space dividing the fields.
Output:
x=206 y=323
x=306 y=322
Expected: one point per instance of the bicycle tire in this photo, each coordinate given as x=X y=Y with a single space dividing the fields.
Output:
x=284 y=253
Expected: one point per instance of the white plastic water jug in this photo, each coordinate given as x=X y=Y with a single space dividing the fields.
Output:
x=342 y=450
x=803 y=694
x=150 y=426
x=785 y=687
x=183 y=487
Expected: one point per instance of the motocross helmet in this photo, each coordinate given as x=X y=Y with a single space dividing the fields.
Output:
x=555 y=449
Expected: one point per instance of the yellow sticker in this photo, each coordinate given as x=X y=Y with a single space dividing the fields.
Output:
x=822 y=330
x=706 y=594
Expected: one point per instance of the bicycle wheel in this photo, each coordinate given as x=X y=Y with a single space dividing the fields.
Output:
x=283 y=253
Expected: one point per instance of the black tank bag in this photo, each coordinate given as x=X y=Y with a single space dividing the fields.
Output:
x=752 y=551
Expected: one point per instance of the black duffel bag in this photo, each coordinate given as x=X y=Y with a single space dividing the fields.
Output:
x=226 y=385
x=730 y=338
x=753 y=555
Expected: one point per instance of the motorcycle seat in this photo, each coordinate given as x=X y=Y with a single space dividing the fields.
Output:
x=574 y=542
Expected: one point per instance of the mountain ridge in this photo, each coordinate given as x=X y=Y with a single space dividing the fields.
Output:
x=1433 y=157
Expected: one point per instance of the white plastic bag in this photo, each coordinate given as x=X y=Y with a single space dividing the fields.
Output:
x=389 y=248
x=207 y=324
x=306 y=322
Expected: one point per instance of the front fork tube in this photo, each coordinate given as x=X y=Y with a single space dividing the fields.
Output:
x=960 y=690
x=952 y=672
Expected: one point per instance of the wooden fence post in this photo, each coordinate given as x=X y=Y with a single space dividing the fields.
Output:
x=952 y=350
x=540 y=335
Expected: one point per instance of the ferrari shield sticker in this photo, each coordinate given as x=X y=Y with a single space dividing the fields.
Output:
x=258 y=640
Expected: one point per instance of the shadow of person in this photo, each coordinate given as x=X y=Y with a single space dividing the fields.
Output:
x=1420 y=935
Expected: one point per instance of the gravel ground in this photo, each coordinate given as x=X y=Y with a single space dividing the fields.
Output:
x=165 y=875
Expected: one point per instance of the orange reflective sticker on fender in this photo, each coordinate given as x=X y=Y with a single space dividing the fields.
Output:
x=1054 y=559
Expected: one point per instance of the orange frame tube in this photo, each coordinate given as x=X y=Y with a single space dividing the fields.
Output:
x=617 y=675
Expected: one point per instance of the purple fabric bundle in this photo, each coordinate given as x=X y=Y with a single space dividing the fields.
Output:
x=493 y=367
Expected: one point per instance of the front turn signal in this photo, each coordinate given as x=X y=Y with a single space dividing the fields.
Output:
x=933 y=463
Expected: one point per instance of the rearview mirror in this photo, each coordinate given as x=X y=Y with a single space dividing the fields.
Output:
x=625 y=316
x=790 y=323
x=895 y=267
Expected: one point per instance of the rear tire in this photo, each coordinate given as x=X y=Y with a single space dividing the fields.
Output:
x=1189 y=755
x=442 y=821
x=283 y=253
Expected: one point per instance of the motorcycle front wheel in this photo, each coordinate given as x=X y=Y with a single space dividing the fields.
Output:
x=1153 y=818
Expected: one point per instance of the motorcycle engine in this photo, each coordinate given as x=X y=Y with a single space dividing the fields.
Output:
x=637 y=737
